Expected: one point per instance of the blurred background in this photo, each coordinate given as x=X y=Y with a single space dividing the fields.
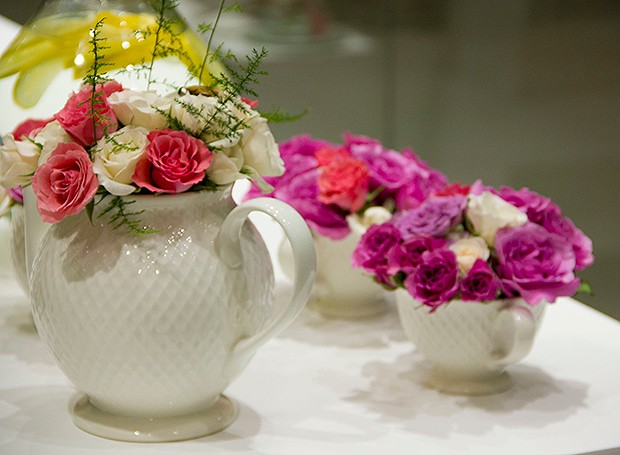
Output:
x=518 y=93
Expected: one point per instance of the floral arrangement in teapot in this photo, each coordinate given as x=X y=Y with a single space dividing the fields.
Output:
x=357 y=183
x=109 y=141
x=476 y=243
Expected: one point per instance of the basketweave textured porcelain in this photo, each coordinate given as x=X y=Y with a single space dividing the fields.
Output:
x=340 y=291
x=470 y=344
x=153 y=329
x=18 y=248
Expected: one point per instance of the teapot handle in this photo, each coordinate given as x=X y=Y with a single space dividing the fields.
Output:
x=513 y=345
x=228 y=247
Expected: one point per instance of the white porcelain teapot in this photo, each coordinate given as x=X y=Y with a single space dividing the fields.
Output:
x=152 y=329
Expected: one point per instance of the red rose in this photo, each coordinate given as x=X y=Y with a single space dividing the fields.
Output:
x=326 y=155
x=174 y=162
x=344 y=182
x=77 y=119
x=65 y=183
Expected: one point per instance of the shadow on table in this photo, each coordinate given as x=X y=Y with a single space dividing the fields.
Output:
x=396 y=393
x=312 y=328
x=41 y=415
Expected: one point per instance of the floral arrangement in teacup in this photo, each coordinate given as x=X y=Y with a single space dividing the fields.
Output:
x=110 y=141
x=478 y=244
x=337 y=187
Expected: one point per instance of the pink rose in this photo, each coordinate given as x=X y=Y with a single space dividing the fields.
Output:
x=111 y=87
x=65 y=183
x=252 y=103
x=30 y=128
x=344 y=182
x=174 y=162
x=77 y=119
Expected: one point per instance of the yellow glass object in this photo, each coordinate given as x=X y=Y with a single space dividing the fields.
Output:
x=51 y=54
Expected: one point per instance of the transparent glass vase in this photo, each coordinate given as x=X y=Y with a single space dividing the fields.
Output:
x=51 y=54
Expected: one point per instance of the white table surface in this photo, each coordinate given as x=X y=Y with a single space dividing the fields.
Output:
x=346 y=387
x=349 y=387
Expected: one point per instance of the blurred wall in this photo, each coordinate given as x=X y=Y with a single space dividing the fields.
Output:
x=518 y=93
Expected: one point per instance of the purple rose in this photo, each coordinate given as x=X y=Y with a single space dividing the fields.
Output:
x=535 y=263
x=480 y=284
x=407 y=256
x=302 y=194
x=533 y=204
x=373 y=249
x=582 y=245
x=436 y=280
x=434 y=217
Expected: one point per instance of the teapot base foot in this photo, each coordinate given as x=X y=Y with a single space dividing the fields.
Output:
x=447 y=383
x=100 y=423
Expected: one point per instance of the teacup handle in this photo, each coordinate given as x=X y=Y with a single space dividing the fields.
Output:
x=229 y=249
x=513 y=345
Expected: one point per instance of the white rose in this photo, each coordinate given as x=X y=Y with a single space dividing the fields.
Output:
x=225 y=167
x=49 y=137
x=488 y=213
x=116 y=156
x=468 y=250
x=137 y=108
x=376 y=215
x=373 y=215
x=193 y=111
x=5 y=201
x=260 y=151
x=18 y=161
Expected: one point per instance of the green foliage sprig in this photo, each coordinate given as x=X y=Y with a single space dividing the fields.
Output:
x=121 y=215
x=94 y=75
x=165 y=24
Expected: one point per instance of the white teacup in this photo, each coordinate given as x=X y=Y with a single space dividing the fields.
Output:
x=470 y=344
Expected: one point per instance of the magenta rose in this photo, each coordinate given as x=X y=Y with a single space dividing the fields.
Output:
x=388 y=169
x=373 y=249
x=480 y=284
x=436 y=280
x=16 y=194
x=421 y=182
x=301 y=193
x=536 y=207
x=407 y=256
x=77 y=118
x=65 y=183
x=298 y=154
x=582 y=245
x=173 y=163
x=534 y=263
x=436 y=216
x=344 y=182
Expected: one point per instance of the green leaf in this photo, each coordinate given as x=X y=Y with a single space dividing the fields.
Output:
x=89 y=210
x=585 y=288
x=278 y=116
